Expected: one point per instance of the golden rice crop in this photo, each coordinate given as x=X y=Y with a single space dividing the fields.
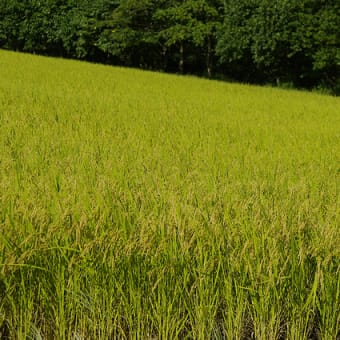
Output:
x=137 y=205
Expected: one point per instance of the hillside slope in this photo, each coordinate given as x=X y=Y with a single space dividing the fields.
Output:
x=144 y=205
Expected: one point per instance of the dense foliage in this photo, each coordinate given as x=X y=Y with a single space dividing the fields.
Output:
x=290 y=42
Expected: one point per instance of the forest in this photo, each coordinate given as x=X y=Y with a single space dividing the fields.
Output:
x=289 y=43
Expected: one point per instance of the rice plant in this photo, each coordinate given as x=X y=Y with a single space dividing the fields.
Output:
x=137 y=205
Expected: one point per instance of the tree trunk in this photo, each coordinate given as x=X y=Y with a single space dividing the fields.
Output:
x=209 y=59
x=164 y=58
x=181 y=58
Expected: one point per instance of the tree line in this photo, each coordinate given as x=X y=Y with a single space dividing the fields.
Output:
x=285 y=42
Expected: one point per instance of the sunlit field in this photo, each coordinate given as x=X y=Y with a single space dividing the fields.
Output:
x=139 y=205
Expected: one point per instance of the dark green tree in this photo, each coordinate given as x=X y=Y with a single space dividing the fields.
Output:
x=294 y=41
x=235 y=40
x=129 y=34
x=189 y=22
x=318 y=38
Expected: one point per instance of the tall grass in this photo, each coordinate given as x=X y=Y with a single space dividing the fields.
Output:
x=136 y=205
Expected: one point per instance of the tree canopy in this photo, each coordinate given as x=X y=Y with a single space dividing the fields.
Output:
x=295 y=42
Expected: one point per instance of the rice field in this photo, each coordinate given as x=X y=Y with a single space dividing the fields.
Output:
x=139 y=205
